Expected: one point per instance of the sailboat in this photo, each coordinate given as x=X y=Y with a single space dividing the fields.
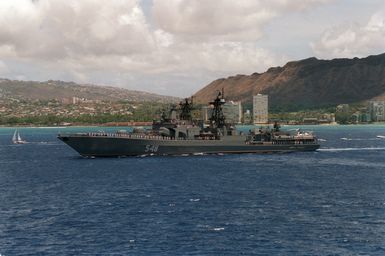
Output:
x=16 y=139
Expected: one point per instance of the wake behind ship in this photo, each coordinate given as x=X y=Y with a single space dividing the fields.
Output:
x=178 y=136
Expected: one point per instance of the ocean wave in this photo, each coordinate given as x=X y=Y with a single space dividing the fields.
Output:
x=351 y=162
x=47 y=143
x=38 y=143
x=359 y=139
x=348 y=149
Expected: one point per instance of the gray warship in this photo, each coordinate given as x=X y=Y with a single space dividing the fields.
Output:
x=180 y=136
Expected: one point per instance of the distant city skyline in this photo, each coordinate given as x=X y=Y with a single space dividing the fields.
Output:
x=175 y=47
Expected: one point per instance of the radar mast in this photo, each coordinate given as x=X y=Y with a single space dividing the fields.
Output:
x=217 y=118
x=186 y=107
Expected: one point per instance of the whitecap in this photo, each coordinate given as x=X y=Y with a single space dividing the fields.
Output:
x=347 y=149
x=359 y=139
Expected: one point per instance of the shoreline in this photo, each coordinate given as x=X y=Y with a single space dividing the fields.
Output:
x=139 y=124
x=111 y=124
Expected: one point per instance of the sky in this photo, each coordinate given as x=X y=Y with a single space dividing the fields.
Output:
x=176 y=47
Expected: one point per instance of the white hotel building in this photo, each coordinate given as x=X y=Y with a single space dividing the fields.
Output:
x=260 y=109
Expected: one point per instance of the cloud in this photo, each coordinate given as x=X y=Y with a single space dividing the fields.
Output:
x=353 y=40
x=221 y=58
x=228 y=20
x=187 y=42
x=88 y=35
x=54 y=29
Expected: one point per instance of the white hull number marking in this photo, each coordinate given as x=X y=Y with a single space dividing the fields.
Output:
x=151 y=148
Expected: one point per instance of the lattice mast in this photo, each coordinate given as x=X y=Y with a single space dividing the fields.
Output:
x=217 y=119
x=186 y=107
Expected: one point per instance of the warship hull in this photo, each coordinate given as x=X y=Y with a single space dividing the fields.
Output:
x=114 y=146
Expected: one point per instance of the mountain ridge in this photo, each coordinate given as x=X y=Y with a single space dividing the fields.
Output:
x=306 y=83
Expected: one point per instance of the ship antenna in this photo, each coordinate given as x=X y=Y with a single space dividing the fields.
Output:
x=186 y=108
x=217 y=118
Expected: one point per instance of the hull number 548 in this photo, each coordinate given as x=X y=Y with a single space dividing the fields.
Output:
x=151 y=148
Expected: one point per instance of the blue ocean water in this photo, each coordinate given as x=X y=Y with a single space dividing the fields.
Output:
x=329 y=202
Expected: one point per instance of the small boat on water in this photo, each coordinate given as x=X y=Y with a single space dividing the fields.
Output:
x=16 y=139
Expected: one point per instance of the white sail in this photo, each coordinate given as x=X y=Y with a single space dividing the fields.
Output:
x=14 y=138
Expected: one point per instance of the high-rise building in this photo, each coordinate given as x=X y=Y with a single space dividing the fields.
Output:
x=206 y=113
x=260 y=109
x=247 y=117
x=232 y=112
x=377 y=110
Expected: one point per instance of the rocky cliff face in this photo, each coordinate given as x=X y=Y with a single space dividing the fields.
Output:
x=306 y=83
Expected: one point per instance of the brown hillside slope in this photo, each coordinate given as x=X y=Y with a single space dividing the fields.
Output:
x=32 y=90
x=306 y=83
